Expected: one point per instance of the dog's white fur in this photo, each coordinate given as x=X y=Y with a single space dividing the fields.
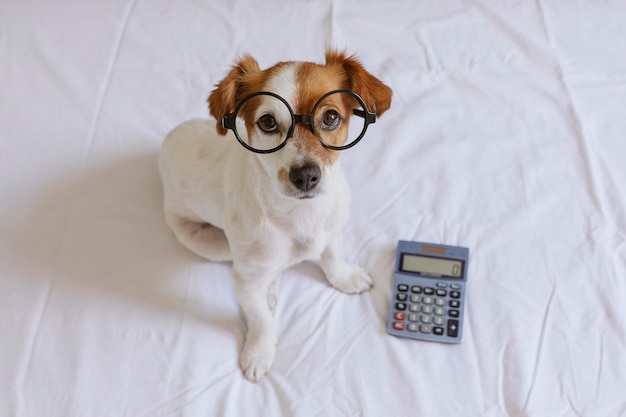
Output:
x=226 y=203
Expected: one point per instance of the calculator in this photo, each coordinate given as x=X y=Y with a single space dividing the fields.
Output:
x=428 y=298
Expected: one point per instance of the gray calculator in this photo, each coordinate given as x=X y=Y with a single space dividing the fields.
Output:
x=428 y=299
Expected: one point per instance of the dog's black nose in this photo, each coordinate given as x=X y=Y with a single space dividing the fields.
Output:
x=305 y=178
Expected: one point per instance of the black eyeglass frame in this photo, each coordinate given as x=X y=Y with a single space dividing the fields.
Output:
x=229 y=121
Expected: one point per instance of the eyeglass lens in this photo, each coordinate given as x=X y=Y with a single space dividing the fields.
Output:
x=336 y=119
x=268 y=120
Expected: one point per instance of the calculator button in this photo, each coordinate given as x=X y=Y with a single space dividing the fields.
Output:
x=427 y=300
x=440 y=321
x=414 y=307
x=412 y=327
x=398 y=315
x=441 y=293
x=453 y=313
x=440 y=301
x=438 y=331
x=398 y=325
x=442 y=285
x=455 y=294
x=414 y=317
x=416 y=298
x=453 y=328
x=400 y=306
x=427 y=309
x=403 y=287
x=425 y=329
x=454 y=303
x=429 y=291
x=455 y=286
x=440 y=311
x=401 y=297
x=427 y=319
x=416 y=289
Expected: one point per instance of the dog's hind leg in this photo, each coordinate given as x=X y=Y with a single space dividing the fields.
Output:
x=203 y=239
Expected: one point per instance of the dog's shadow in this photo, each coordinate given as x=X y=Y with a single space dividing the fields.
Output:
x=99 y=237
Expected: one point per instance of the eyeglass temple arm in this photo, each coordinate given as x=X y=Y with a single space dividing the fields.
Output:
x=228 y=122
x=366 y=114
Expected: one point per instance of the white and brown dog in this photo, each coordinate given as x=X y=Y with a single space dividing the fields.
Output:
x=279 y=199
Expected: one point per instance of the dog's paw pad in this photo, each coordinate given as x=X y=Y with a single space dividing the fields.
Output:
x=355 y=281
x=256 y=359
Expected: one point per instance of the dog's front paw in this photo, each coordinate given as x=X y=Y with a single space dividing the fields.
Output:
x=257 y=357
x=353 y=280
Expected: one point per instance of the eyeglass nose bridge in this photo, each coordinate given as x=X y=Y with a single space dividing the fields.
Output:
x=301 y=118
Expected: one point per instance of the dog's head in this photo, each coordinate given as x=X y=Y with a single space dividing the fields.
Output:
x=300 y=167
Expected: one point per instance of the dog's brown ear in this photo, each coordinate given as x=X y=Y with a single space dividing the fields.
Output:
x=377 y=96
x=223 y=99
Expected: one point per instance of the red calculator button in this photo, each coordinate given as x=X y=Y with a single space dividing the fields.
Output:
x=398 y=325
x=399 y=315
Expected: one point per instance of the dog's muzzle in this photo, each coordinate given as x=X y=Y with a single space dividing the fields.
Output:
x=305 y=178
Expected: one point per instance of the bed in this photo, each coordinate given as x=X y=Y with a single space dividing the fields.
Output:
x=506 y=135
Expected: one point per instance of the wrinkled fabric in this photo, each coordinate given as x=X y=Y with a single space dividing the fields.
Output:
x=505 y=135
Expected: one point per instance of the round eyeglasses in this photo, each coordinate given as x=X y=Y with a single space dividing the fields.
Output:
x=339 y=120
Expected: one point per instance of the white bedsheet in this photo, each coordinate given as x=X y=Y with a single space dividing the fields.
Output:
x=506 y=135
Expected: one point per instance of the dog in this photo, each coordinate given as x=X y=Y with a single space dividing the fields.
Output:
x=270 y=208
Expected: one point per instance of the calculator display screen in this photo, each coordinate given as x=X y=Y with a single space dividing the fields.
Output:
x=427 y=265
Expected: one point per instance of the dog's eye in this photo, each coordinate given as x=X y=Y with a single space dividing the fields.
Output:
x=331 y=120
x=267 y=123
